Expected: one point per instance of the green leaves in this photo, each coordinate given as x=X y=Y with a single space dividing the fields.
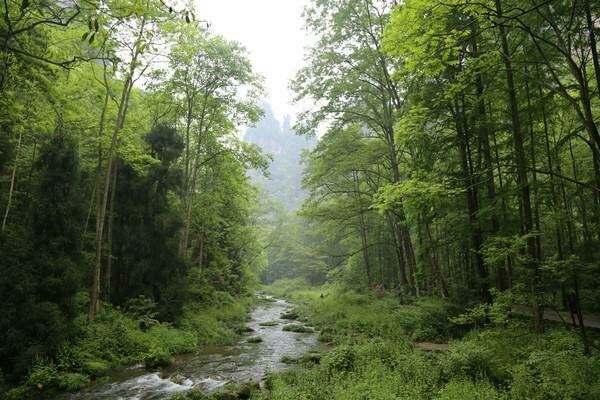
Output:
x=93 y=30
x=415 y=194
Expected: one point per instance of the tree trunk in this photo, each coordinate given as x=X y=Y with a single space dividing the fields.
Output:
x=403 y=231
x=474 y=255
x=536 y=202
x=98 y=181
x=109 y=233
x=593 y=44
x=185 y=193
x=121 y=114
x=398 y=250
x=438 y=273
x=524 y=191
x=12 y=183
x=362 y=228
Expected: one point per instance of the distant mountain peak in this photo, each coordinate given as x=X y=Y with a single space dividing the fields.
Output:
x=287 y=123
x=285 y=146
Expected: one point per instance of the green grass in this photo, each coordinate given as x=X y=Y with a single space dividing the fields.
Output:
x=373 y=357
x=341 y=314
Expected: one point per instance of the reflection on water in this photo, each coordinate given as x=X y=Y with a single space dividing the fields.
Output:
x=216 y=366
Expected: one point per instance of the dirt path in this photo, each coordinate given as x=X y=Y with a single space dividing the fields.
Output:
x=590 y=320
x=428 y=346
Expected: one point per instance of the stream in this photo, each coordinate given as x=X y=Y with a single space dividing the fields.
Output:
x=213 y=367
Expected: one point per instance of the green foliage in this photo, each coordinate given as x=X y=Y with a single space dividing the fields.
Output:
x=45 y=380
x=501 y=361
x=428 y=320
x=474 y=360
x=291 y=252
x=417 y=195
x=82 y=137
x=40 y=272
x=215 y=325
x=194 y=394
x=340 y=359
x=458 y=158
x=143 y=310
x=341 y=314
x=157 y=357
x=115 y=338
x=565 y=374
x=497 y=312
x=469 y=390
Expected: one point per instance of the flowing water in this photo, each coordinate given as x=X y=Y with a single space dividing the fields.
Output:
x=213 y=367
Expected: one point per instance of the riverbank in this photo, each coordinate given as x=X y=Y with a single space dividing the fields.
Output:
x=376 y=348
x=220 y=371
x=376 y=353
x=116 y=339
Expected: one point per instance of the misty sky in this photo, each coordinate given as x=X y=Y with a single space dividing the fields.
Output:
x=272 y=31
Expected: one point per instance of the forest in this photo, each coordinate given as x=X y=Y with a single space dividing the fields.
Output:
x=445 y=243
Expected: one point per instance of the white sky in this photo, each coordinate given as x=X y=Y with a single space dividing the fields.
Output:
x=272 y=31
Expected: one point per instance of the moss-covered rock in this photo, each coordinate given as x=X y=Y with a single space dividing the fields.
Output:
x=246 y=389
x=289 y=360
x=297 y=328
x=290 y=315
x=240 y=391
x=314 y=358
x=269 y=323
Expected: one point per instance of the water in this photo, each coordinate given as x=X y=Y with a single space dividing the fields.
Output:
x=213 y=367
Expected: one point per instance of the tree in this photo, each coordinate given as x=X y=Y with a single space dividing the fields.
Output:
x=348 y=78
x=40 y=309
x=207 y=74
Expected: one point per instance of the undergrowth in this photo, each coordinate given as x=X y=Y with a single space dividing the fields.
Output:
x=373 y=357
x=118 y=338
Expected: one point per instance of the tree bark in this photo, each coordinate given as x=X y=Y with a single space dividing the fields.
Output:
x=524 y=190
x=109 y=233
x=593 y=44
x=536 y=200
x=362 y=229
x=474 y=255
x=121 y=114
x=12 y=183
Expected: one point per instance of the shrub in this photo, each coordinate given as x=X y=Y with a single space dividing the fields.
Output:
x=71 y=381
x=469 y=390
x=474 y=360
x=43 y=376
x=386 y=353
x=95 y=368
x=215 y=325
x=340 y=359
x=194 y=394
x=175 y=341
x=427 y=320
x=112 y=337
x=143 y=310
x=44 y=381
x=550 y=375
x=157 y=357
